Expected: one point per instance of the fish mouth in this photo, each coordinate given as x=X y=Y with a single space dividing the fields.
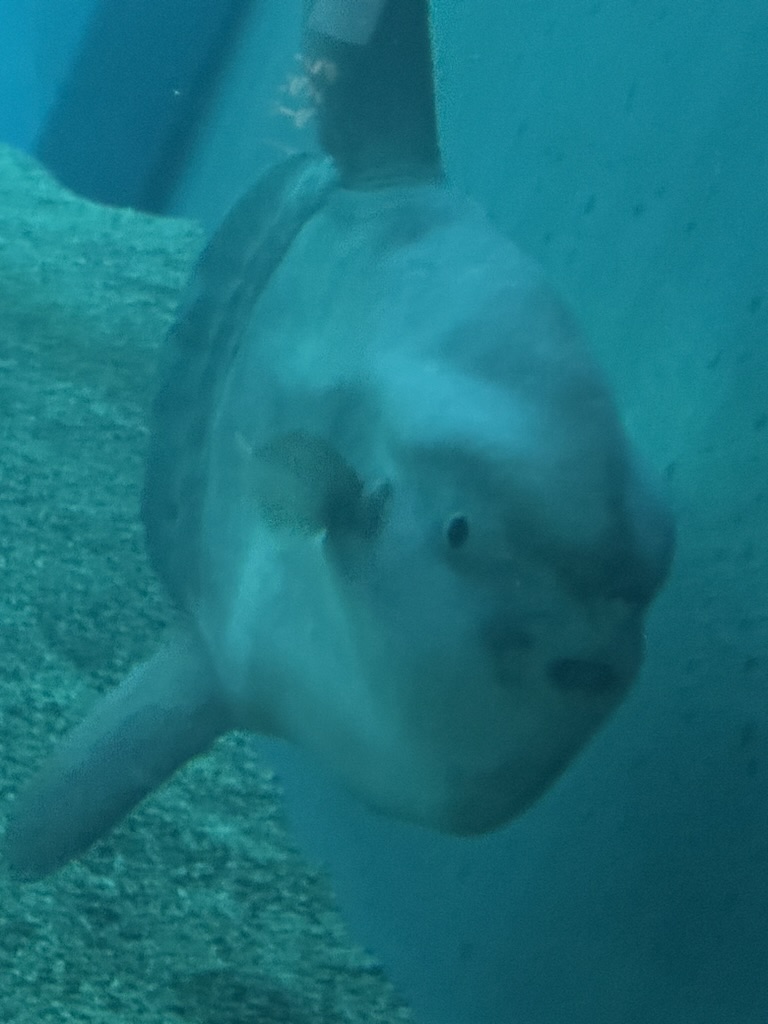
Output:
x=585 y=675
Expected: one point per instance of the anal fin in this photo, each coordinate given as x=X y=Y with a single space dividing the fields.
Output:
x=164 y=713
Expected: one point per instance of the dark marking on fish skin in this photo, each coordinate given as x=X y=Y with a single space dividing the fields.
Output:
x=457 y=531
x=502 y=636
x=583 y=674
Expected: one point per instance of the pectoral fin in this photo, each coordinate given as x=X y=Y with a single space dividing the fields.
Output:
x=300 y=482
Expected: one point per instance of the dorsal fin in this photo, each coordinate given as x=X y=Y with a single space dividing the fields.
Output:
x=371 y=63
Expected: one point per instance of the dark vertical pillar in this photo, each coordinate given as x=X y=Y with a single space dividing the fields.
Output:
x=121 y=127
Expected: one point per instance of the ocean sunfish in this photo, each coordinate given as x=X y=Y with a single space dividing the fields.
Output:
x=387 y=488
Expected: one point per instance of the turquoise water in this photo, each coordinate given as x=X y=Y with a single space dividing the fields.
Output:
x=624 y=146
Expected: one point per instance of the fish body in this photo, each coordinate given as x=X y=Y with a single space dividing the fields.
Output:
x=389 y=490
x=447 y=681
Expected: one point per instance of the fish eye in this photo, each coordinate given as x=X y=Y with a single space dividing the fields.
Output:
x=457 y=531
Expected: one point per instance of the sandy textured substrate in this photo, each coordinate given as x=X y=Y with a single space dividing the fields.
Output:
x=198 y=908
